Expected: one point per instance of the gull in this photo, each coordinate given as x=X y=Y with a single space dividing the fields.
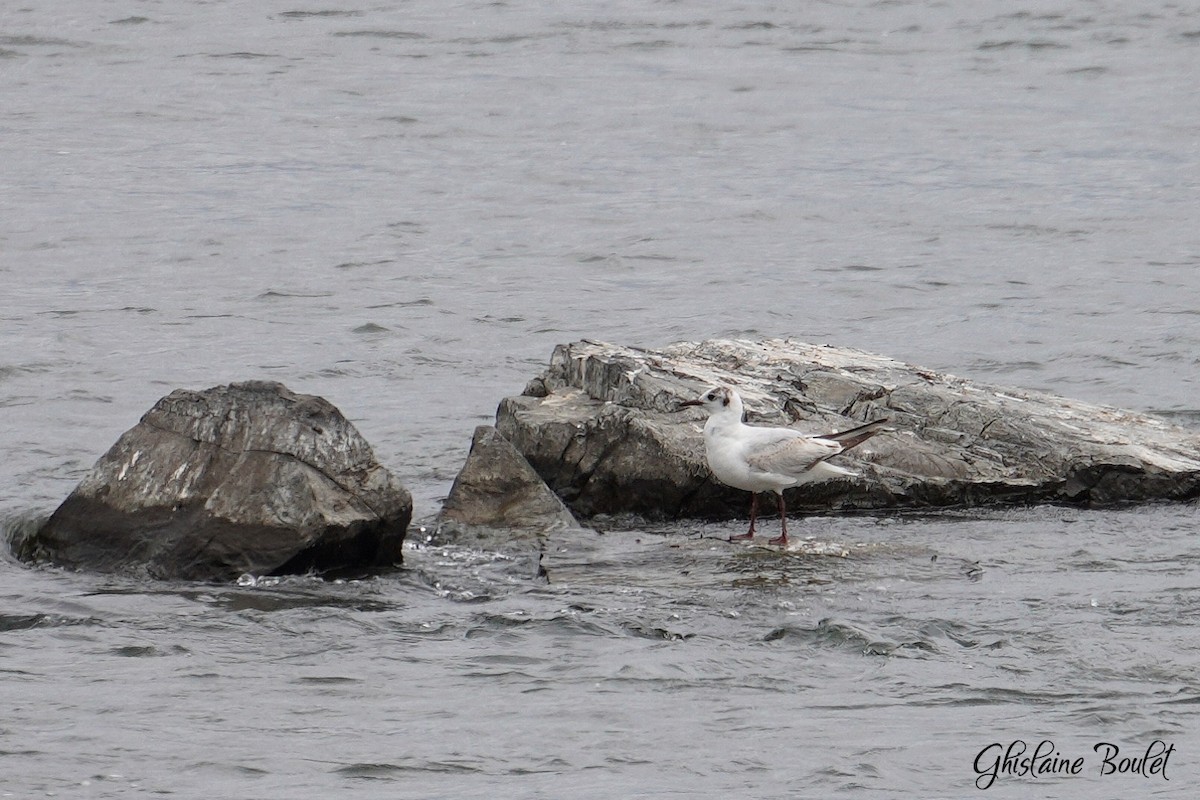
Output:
x=760 y=459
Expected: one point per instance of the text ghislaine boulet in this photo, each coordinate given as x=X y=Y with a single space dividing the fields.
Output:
x=1018 y=760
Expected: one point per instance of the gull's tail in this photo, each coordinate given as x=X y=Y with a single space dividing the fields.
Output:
x=856 y=436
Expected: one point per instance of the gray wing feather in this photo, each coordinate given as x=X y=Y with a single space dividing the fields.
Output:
x=790 y=455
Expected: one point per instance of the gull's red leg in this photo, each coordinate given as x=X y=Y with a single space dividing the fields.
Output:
x=753 y=515
x=781 y=539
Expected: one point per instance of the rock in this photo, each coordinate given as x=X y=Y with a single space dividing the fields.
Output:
x=600 y=426
x=497 y=489
x=244 y=478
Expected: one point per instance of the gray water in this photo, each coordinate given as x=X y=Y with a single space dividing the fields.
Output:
x=404 y=206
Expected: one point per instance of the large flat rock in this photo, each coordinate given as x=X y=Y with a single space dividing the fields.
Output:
x=601 y=427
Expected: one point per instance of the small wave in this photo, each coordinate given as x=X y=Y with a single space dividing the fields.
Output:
x=357 y=264
x=242 y=54
x=25 y=622
x=37 y=41
x=837 y=634
x=328 y=13
x=382 y=34
x=424 y=301
x=326 y=680
x=270 y=601
x=146 y=651
x=1030 y=44
x=16 y=528
x=272 y=294
x=376 y=770
x=554 y=624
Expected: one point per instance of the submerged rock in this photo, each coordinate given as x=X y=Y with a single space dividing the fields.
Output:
x=499 y=504
x=244 y=478
x=601 y=427
x=498 y=490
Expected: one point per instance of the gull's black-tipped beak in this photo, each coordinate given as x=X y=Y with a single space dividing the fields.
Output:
x=687 y=403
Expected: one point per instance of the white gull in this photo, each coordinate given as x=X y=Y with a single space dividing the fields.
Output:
x=759 y=459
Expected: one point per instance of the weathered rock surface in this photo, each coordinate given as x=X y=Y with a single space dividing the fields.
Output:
x=244 y=478
x=600 y=426
x=498 y=490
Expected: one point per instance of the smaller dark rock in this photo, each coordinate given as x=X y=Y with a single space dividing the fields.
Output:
x=244 y=478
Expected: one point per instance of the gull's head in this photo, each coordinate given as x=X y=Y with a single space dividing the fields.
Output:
x=715 y=400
